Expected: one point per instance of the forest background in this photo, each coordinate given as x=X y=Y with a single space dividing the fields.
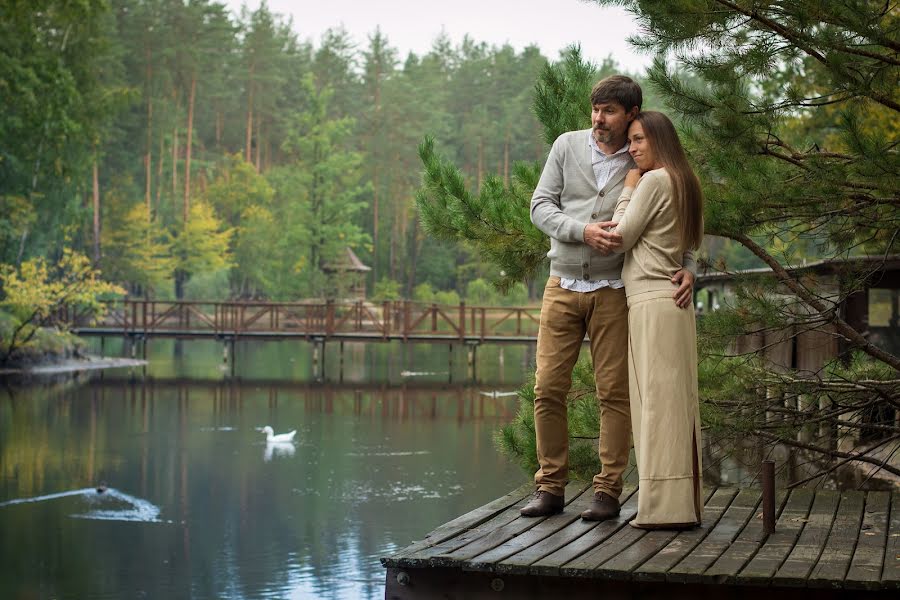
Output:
x=191 y=152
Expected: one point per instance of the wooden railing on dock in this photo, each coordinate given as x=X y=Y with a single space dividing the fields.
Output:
x=347 y=320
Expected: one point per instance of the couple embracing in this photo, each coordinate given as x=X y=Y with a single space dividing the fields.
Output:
x=623 y=210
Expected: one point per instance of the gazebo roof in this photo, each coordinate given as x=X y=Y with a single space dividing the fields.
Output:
x=348 y=261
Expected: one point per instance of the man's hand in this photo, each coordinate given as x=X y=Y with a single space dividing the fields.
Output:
x=596 y=236
x=684 y=279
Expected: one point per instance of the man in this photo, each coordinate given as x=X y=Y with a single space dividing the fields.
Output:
x=573 y=203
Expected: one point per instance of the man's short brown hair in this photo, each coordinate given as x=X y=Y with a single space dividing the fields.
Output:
x=617 y=88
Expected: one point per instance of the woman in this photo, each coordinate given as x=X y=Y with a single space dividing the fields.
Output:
x=659 y=215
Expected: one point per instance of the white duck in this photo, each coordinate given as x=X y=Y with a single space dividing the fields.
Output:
x=281 y=438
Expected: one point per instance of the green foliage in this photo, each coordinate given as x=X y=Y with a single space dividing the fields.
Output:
x=447 y=298
x=386 y=289
x=207 y=285
x=202 y=246
x=480 y=292
x=423 y=293
x=137 y=250
x=36 y=290
x=497 y=221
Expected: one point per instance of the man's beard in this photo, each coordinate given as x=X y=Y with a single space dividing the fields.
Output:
x=602 y=136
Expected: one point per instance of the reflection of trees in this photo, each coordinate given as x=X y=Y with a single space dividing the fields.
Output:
x=240 y=526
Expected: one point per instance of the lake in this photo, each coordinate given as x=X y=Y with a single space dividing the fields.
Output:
x=197 y=505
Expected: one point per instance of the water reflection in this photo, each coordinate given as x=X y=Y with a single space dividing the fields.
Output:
x=373 y=468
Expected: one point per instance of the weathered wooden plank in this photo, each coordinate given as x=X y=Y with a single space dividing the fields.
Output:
x=587 y=564
x=495 y=537
x=717 y=541
x=595 y=534
x=628 y=557
x=868 y=559
x=803 y=556
x=890 y=575
x=832 y=566
x=778 y=545
x=739 y=553
x=458 y=525
x=521 y=561
x=655 y=568
x=491 y=559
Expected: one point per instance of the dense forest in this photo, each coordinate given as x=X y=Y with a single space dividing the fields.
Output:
x=196 y=153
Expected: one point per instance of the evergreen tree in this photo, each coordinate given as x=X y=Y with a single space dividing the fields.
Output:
x=328 y=186
x=753 y=85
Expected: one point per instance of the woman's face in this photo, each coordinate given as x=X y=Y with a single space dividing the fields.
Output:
x=639 y=148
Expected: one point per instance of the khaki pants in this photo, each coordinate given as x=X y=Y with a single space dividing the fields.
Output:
x=565 y=318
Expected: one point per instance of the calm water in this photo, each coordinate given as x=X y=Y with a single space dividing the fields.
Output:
x=198 y=506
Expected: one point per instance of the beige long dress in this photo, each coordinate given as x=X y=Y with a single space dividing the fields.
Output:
x=662 y=359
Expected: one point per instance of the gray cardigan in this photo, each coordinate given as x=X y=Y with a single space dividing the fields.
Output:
x=566 y=199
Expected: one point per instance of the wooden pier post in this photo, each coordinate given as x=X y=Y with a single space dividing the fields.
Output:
x=768 y=495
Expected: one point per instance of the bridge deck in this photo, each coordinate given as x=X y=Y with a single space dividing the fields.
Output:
x=840 y=544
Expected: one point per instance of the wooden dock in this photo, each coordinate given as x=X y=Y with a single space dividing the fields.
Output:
x=827 y=544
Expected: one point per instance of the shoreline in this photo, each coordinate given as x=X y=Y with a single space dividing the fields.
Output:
x=88 y=363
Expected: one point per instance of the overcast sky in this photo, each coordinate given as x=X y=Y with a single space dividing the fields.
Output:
x=412 y=25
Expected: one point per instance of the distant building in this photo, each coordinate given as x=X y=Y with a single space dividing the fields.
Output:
x=350 y=274
x=873 y=311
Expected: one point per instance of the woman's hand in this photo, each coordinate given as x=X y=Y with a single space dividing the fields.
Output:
x=633 y=177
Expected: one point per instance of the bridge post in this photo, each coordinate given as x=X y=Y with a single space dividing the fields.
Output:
x=462 y=321
x=329 y=317
x=405 y=319
x=449 y=362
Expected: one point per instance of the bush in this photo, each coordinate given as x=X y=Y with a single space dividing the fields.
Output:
x=206 y=286
x=423 y=293
x=481 y=293
x=448 y=297
x=386 y=289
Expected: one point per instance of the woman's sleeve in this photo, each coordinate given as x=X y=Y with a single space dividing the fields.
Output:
x=635 y=209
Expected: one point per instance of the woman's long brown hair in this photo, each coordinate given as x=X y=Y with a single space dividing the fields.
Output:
x=666 y=147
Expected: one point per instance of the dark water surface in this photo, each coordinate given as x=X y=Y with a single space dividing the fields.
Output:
x=199 y=506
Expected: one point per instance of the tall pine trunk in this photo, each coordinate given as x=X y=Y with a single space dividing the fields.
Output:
x=187 y=159
x=249 y=137
x=159 y=167
x=506 y=159
x=96 y=182
x=148 y=156
x=259 y=141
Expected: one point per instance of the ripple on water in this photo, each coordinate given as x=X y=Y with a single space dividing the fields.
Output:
x=126 y=507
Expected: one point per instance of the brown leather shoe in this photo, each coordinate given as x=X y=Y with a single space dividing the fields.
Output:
x=602 y=507
x=543 y=504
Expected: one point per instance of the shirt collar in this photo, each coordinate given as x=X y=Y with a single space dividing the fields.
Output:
x=592 y=143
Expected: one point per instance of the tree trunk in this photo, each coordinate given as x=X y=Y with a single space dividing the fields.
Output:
x=480 y=164
x=96 y=213
x=175 y=163
x=259 y=141
x=187 y=150
x=249 y=137
x=148 y=157
x=375 y=225
x=159 y=167
x=506 y=159
x=414 y=257
x=218 y=128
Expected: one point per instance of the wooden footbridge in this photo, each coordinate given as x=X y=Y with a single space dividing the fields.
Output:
x=345 y=321
x=826 y=544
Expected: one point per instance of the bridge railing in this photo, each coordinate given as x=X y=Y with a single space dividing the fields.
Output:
x=327 y=318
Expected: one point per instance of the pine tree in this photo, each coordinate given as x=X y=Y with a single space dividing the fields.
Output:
x=777 y=103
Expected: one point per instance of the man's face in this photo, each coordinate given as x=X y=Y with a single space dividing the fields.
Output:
x=610 y=121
